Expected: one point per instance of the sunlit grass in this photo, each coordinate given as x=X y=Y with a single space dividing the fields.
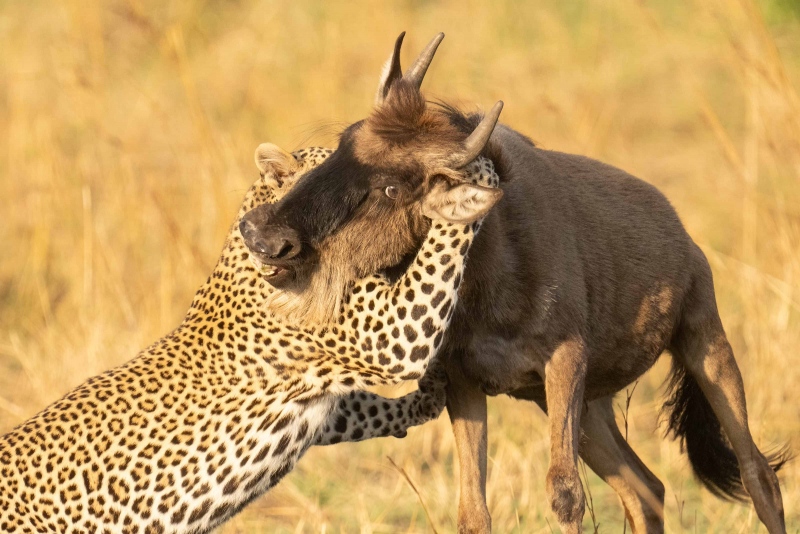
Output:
x=126 y=137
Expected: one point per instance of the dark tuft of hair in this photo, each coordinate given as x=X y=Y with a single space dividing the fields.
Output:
x=404 y=115
x=693 y=422
x=405 y=118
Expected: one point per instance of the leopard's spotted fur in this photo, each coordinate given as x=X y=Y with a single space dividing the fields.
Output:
x=212 y=415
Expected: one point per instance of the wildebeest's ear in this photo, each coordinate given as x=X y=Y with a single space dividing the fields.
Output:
x=462 y=203
x=272 y=158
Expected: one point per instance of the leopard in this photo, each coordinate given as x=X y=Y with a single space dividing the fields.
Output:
x=211 y=416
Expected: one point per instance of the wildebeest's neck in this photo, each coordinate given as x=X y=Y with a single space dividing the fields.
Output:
x=512 y=276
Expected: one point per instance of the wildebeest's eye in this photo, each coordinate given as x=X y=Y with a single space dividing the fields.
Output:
x=391 y=192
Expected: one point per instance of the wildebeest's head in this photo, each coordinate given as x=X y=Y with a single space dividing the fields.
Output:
x=368 y=206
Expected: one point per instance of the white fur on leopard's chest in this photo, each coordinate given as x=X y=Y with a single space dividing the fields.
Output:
x=290 y=433
x=274 y=444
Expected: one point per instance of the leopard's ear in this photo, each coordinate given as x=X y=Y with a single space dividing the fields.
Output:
x=273 y=159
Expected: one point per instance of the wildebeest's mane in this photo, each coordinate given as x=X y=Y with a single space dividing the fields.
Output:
x=406 y=125
x=405 y=117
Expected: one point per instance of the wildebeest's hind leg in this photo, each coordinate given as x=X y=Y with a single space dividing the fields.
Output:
x=705 y=378
x=466 y=406
x=606 y=452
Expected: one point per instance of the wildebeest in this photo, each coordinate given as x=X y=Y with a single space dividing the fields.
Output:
x=579 y=280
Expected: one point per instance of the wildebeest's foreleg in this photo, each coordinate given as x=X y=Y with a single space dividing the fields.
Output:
x=565 y=376
x=606 y=452
x=466 y=406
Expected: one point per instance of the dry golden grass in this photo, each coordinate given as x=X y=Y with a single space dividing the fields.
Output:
x=126 y=135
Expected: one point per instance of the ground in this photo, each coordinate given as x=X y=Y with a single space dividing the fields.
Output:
x=126 y=140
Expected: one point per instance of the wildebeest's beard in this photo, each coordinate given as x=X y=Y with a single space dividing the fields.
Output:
x=349 y=229
x=361 y=248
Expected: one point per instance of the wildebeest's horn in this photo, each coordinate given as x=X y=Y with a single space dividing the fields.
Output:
x=392 y=71
x=416 y=72
x=479 y=137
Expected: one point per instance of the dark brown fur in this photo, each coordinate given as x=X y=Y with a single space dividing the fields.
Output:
x=577 y=247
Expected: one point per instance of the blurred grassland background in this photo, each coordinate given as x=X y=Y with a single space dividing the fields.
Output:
x=127 y=129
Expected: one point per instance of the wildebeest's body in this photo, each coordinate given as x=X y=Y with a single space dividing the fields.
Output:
x=582 y=255
x=573 y=247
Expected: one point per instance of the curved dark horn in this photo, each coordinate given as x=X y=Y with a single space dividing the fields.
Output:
x=474 y=144
x=392 y=71
x=416 y=72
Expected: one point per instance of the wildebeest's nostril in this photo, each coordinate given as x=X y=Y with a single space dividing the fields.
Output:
x=274 y=246
x=286 y=250
x=273 y=241
x=279 y=247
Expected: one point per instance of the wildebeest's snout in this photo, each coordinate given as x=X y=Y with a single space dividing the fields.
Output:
x=269 y=241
